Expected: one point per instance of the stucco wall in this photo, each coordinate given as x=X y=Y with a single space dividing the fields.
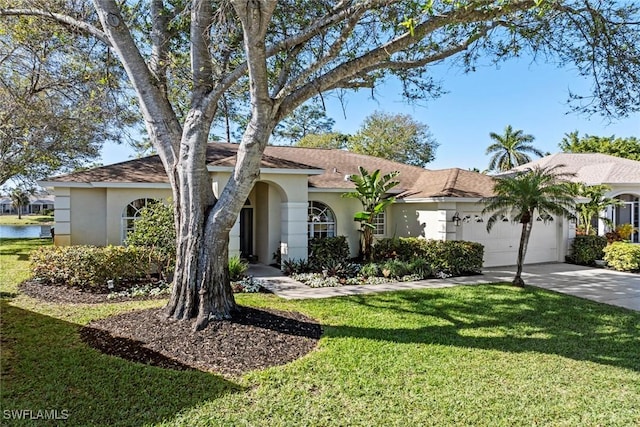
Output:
x=117 y=200
x=88 y=216
x=343 y=209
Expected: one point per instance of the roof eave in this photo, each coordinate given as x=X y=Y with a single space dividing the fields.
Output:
x=280 y=171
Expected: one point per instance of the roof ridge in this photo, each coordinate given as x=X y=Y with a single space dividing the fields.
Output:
x=451 y=180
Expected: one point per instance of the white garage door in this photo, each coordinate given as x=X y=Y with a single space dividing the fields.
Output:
x=501 y=244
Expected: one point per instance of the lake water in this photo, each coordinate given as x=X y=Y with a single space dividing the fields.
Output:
x=19 y=231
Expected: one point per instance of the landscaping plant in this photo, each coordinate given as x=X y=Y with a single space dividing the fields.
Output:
x=539 y=190
x=586 y=249
x=372 y=191
x=623 y=256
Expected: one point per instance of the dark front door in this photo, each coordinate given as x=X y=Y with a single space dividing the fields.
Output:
x=246 y=232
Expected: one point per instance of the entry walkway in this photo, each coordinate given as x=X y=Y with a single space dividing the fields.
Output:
x=606 y=286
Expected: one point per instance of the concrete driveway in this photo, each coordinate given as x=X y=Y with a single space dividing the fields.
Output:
x=597 y=284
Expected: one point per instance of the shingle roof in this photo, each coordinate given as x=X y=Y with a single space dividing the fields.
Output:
x=415 y=182
x=592 y=168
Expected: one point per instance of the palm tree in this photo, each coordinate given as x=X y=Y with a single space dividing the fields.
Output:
x=595 y=206
x=544 y=190
x=371 y=189
x=19 y=199
x=510 y=150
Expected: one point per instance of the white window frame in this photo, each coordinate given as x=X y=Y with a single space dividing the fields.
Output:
x=321 y=220
x=128 y=222
x=380 y=223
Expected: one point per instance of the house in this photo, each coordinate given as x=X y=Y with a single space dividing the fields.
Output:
x=297 y=197
x=37 y=204
x=621 y=175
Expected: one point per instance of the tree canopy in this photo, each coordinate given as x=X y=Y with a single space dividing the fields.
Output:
x=186 y=61
x=61 y=97
x=334 y=140
x=305 y=120
x=397 y=137
x=628 y=148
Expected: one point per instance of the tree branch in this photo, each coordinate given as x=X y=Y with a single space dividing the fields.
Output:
x=65 y=20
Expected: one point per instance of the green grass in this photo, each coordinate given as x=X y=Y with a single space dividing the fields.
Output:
x=14 y=262
x=472 y=355
x=26 y=219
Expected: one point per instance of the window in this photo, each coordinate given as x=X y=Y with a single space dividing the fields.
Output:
x=544 y=217
x=131 y=213
x=378 y=222
x=628 y=213
x=321 y=221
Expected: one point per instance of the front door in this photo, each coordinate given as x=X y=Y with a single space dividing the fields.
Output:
x=246 y=233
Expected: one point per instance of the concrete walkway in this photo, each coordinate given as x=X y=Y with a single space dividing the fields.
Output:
x=606 y=286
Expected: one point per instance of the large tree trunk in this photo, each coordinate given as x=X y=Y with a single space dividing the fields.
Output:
x=201 y=287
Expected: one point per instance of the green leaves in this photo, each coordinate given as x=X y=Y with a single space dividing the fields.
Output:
x=538 y=189
x=396 y=137
x=510 y=149
x=628 y=148
x=371 y=190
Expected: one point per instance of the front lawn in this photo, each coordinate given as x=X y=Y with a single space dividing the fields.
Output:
x=470 y=355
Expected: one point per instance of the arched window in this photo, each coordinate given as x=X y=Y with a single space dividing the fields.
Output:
x=321 y=220
x=131 y=213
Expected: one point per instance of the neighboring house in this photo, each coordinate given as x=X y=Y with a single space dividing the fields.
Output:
x=37 y=204
x=298 y=196
x=622 y=175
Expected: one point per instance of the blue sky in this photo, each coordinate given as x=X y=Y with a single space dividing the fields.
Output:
x=529 y=96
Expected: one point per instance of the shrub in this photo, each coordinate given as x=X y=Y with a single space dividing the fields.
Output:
x=295 y=266
x=612 y=236
x=403 y=248
x=451 y=257
x=419 y=267
x=237 y=268
x=623 y=256
x=91 y=266
x=395 y=268
x=625 y=231
x=370 y=270
x=155 y=229
x=327 y=250
x=247 y=285
x=342 y=270
x=585 y=250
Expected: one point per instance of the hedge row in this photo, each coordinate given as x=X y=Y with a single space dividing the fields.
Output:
x=92 y=266
x=451 y=257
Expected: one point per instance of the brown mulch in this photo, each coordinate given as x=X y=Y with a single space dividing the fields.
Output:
x=254 y=339
x=70 y=295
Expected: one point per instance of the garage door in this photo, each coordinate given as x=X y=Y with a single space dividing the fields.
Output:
x=501 y=245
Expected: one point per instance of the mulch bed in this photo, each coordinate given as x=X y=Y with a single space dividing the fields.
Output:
x=254 y=339
x=70 y=295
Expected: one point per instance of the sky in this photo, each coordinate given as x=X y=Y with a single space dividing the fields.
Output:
x=526 y=95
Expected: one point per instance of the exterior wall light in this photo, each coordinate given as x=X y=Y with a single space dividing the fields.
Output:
x=456 y=219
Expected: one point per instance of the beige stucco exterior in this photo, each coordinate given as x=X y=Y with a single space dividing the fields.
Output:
x=279 y=204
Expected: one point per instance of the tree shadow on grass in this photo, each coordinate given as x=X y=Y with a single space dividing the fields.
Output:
x=506 y=319
x=45 y=366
